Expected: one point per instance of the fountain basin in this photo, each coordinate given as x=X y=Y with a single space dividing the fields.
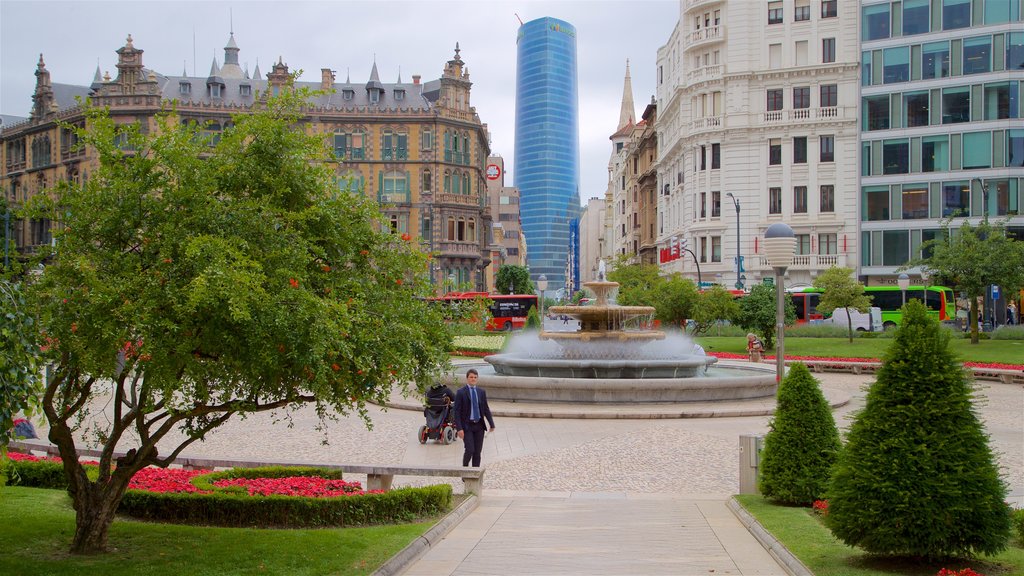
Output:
x=590 y=368
x=734 y=382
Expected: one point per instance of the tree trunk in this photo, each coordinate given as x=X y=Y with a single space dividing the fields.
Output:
x=849 y=323
x=94 y=513
x=973 y=319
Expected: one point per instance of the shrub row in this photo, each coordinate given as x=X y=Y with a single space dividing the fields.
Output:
x=243 y=511
x=206 y=481
x=40 y=474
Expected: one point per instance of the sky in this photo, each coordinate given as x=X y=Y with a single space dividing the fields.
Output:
x=347 y=36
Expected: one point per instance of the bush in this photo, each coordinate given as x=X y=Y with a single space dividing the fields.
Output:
x=1018 y=526
x=533 y=319
x=802 y=442
x=917 y=477
x=230 y=509
x=1008 y=333
x=41 y=473
x=818 y=331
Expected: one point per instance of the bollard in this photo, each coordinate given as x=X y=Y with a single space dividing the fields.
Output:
x=750 y=456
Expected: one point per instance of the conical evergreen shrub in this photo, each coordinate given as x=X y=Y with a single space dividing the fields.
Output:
x=917 y=477
x=802 y=443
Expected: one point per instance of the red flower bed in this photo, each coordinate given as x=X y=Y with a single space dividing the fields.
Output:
x=165 y=480
x=844 y=360
x=308 y=486
x=18 y=456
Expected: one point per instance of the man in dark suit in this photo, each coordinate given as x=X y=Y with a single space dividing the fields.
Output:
x=470 y=410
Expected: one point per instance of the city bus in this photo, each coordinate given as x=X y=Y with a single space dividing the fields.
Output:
x=938 y=299
x=507 y=311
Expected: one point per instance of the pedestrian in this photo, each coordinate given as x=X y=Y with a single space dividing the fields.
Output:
x=470 y=410
x=1011 y=313
x=754 y=348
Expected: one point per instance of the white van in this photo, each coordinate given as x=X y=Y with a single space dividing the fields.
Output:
x=870 y=321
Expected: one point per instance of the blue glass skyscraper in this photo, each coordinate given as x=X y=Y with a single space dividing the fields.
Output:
x=546 y=168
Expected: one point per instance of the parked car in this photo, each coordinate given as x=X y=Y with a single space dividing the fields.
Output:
x=870 y=321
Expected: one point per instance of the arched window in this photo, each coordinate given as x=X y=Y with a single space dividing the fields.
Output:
x=427 y=181
x=465 y=184
x=471 y=230
x=457 y=184
x=452 y=229
x=461 y=230
x=447 y=181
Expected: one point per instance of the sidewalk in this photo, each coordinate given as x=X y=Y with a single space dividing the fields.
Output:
x=597 y=533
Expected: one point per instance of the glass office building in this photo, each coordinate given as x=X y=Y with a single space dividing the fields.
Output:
x=546 y=166
x=942 y=123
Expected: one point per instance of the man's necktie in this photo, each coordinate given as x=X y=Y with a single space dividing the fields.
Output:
x=474 y=411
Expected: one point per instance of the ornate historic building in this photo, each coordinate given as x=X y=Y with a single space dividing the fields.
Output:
x=418 y=148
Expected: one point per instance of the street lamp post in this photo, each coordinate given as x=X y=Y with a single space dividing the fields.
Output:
x=542 y=285
x=739 y=259
x=989 y=304
x=903 y=281
x=779 y=247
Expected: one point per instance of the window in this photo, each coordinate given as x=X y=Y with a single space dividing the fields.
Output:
x=394 y=145
x=703 y=249
x=956 y=197
x=828 y=8
x=775 y=56
x=774 y=100
x=828 y=148
x=703 y=204
x=865 y=68
x=827 y=200
x=828 y=95
x=875 y=21
x=956 y=105
x=1005 y=195
x=399 y=223
x=977 y=150
x=800 y=149
x=775 y=200
x=1001 y=100
x=876 y=112
x=348 y=94
x=399 y=94
x=214 y=90
x=800 y=53
x=775 y=12
x=915 y=201
x=703 y=159
x=895 y=156
x=896 y=62
x=1000 y=11
x=775 y=151
x=935 y=153
x=935 y=60
x=184 y=87
x=799 y=199
x=374 y=96
x=716 y=248
x=395 y=188
x=802 y=97
x=895 y=247
x=915 y=17
x=956 y=14
x=828 y=244
x=802 y=13
x=427 y=139
x=915 y=108
x=718 y=17
x=876 y=203
x=1015 y=51
x=828 y=50
x=1015 y=148
x=978 y=55
x=40 y=152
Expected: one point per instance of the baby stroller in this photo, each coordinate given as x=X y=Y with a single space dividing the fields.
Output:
x=440 y=416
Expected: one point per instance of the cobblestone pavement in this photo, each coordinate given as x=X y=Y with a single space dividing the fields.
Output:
x=685 y=456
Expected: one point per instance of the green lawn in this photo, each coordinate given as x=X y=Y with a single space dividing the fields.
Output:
x=36 y=526
x=1007 y=351
x=808 y=539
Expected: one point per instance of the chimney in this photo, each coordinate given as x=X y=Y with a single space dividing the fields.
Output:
x=326 y=78
x=415 y=79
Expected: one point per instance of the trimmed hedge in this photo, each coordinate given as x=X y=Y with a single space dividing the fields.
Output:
x=243 y=511
x=40 y=474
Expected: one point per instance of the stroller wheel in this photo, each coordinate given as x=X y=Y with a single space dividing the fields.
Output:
x=448 y=436
x=423 y=434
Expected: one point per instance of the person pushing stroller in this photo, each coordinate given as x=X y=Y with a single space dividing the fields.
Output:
x=439 y=413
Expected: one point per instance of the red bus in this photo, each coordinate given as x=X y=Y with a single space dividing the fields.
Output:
x=508 y=311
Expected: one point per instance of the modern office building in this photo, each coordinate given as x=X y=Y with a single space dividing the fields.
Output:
x=942 y=134
x=757 y=124
x=418 y=148
x=546 y=167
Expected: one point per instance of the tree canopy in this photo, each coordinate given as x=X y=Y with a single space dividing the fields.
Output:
x=841 y=290
x=713 y=305
x=757 y=312
x=972 y=258
x=195 y=280
x=513 y=279
x=20 y=377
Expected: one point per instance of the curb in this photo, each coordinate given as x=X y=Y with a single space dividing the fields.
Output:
x=792 y=564
x=406 y=556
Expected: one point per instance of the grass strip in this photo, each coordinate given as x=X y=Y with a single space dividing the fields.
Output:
x=985 y=351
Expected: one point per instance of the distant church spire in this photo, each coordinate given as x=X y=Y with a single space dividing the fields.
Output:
x=627 y=114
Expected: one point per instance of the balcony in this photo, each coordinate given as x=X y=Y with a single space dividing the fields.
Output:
x=456 y=157
x=705 y=124
x=803 y=115
x=704 y=74
x=691 y=4
x=460 y=199
x=704 y=35
x=394 y=154
x=803 y=262
x=463 y=249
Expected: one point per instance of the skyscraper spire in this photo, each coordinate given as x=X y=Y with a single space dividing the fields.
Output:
x=627 y=115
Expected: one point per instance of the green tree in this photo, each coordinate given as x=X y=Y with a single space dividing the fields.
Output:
x=577 y=296
x=533 y=319
x=674 y=299
x=917 y=476
x=20 y=382
x=973 y=258
x=802 y=442
x=514 y=279
x=714 y=305
x=637 y=283
x=841 y=290
x=757 y=312
x=198 y=280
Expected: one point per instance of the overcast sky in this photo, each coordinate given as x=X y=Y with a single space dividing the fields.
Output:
x=416 y=37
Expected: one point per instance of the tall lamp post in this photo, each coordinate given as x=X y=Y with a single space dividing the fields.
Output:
x=739 y=259
x=542 y=285
x=903 y=281
x=779 y=247
x=989 y=304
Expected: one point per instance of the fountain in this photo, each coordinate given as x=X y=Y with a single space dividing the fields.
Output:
x=615 y=357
